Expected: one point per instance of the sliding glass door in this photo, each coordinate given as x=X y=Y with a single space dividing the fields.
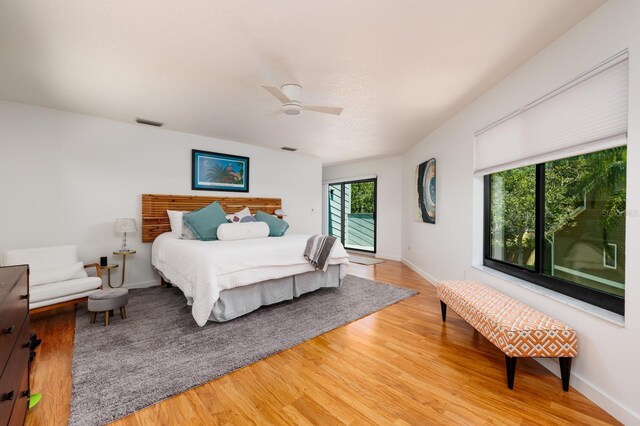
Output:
x=352 y=214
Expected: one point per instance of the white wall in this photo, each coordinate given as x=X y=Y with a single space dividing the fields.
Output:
x=389 y=216
x=607 y=369
x=65 y=178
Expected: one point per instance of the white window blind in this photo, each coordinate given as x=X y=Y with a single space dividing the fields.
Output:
x=585 y=115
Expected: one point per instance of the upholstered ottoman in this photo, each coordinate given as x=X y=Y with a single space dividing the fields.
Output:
x=107 y=301
x=515 y=328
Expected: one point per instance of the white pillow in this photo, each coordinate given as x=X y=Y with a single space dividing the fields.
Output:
x=175 y=219
x=242 y=231
x=237 y=217
x=54 y=275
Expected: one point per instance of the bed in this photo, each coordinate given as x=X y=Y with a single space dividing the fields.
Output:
x=222 y=280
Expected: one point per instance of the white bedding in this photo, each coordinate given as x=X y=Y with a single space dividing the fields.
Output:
x=202 y=269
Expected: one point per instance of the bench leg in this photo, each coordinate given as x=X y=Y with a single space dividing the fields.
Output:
x=443 y=307
x=511 y=370
x=565 y=372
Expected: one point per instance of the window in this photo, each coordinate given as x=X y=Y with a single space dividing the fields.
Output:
x=561 y=225
x=352 y=208
x=610 y=256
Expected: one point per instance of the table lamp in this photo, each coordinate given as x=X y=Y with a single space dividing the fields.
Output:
x=124 y=226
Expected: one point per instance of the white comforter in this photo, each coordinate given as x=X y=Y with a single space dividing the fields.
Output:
x=202 y=269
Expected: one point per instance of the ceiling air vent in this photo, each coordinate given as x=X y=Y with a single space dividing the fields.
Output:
x=288 y=148
x=149 y=122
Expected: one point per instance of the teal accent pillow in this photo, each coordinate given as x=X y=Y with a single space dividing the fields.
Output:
x=204 y=222
x=277 y=227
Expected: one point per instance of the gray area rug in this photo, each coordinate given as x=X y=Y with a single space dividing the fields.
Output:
x=159 y=351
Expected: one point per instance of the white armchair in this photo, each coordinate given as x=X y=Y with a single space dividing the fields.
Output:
x=56 y=276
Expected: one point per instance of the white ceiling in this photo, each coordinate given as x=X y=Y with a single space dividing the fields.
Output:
x=399 y=68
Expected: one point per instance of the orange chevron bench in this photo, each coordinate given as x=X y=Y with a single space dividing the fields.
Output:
x=515 y=328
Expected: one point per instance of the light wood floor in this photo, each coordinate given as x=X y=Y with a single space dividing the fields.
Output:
x=399 y=366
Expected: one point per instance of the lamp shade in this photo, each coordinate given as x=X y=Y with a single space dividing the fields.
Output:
x=125 y=225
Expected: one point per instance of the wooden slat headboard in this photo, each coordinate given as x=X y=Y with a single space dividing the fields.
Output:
x=155 y=220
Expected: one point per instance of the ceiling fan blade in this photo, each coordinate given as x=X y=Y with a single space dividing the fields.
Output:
x=324 y=109
x=278 y=94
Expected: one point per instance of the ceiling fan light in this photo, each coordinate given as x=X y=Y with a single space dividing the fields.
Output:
x=291 y=109
x=292 y=91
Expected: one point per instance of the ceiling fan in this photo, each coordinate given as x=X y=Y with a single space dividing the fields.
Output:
x=291 y=97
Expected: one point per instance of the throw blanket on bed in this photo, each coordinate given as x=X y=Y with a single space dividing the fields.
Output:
x=318 y=251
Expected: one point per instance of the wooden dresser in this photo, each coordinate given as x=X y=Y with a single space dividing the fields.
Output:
x=14 y=344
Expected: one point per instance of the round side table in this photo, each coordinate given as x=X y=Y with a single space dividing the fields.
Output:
x=108 y=268
x=124 y=255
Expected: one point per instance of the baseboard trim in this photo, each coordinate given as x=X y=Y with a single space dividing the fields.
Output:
x=593 y=393
x=388 y=257
x=430 y=278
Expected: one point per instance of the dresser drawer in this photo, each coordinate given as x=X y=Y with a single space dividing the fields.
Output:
x=10 y=381
x=22 y=402
x=9 y=276
x=13 y=311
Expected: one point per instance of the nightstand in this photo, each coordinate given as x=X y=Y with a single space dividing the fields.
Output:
x=124 y=255
x=108 y=268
